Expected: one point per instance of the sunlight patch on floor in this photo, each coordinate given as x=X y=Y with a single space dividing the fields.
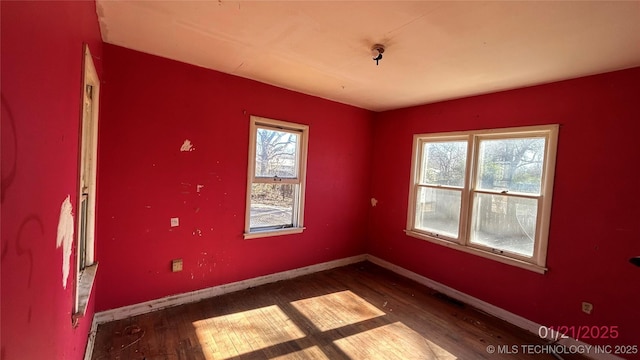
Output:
x=393 y=341
x=243 y=332
x=336 y=310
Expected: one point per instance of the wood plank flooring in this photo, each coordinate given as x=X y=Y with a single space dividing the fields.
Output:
x=360 y=311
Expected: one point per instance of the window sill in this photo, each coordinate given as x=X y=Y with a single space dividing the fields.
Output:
x=268 y=233
x=85 y=285
x=485 y=254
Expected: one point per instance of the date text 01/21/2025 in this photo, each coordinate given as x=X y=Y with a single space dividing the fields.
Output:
x=578 y=332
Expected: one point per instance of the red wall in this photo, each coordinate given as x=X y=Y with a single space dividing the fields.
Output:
x=42 y=52
x=594 y=223
x=151 y=105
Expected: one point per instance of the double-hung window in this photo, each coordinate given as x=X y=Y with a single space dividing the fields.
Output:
x=485 y=192
x=276 y=178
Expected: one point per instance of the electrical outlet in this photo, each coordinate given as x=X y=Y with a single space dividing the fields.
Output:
x=587 y=307
x=176 y=265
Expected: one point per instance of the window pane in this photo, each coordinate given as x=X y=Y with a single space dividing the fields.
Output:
x=276 y=153
x=505 y=223
x=272 y=205
x=443 y=163
x=511 y=164
x=438 y=211
x=84 y=215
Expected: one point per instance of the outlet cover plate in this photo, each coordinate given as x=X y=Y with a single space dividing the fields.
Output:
x=176 y=265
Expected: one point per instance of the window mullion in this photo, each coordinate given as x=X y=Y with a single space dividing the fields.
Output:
x=469 y=176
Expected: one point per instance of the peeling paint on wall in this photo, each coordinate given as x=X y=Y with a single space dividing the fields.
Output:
x=65 y=237
x=374 y=202
x=187 y=146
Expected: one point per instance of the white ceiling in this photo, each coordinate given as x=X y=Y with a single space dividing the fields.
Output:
x=434 y=50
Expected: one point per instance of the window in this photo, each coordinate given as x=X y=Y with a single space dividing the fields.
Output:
x=485 y=192
x=85 y=263
x=276 y=180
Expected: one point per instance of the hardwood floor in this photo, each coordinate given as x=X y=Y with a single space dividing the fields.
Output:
x=359 y=311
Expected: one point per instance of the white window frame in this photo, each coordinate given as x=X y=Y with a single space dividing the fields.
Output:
x=256 y=123
x=86 y=269
x=537 y=262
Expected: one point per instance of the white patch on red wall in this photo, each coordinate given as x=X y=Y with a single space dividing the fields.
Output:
x=187 y=146
x=65 y=237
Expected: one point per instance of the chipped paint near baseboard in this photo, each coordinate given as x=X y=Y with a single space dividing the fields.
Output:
x=187 y=146
x=65 y=237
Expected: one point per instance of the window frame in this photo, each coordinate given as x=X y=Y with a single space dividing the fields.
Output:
x=537 y=262
x=86 y=264
x=257 y=122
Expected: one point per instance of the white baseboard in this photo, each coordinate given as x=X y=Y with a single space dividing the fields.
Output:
x=91 y=341
x=193 y=296
x=493 y=310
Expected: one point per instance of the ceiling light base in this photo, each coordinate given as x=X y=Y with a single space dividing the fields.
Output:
x=376 y=52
